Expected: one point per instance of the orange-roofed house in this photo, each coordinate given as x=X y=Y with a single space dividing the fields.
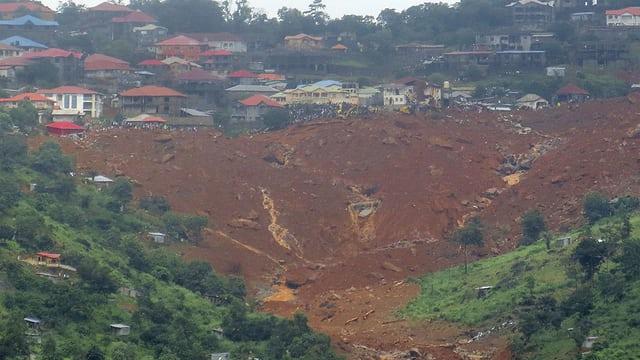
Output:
x=152 y=100
x=180 y=46
x=12 y=10
x=339 y=48
x=9 y=66
x=99 y=66
x=253 y=108
x=73 y=102
x=39 y=101
x=303 y=42
x=48 y=258
x=103 y=13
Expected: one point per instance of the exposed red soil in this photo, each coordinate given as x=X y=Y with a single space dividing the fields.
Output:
x=280 y=204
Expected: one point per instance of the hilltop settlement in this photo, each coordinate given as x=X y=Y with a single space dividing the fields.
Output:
x=134 y=66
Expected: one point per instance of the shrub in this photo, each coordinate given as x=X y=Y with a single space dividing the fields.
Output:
x=532 y=226
x=596 y=207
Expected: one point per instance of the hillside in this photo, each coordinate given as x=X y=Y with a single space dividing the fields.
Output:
x=339 y=213
x=541 y=298
x=75 y=258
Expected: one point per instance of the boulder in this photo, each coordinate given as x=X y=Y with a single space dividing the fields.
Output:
x=391 y=267
x=167 y=157
x=165 y=138
x=240 y=223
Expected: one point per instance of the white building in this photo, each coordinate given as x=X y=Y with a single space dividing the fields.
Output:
x=222 y=41
x=629 y=16
x=76 y=100
x=396 y=95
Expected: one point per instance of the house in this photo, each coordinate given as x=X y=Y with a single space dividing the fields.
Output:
x=63 y=128
x=418 y=51
x=320 y=93
x=102 y=13
x=339 y=49
x=248 y=90
x=252 y=109
x=221 y=41
x=532 y=102
x=48 y=258
x=23 y=43
x=148 y=35
x=396 y=95
x=158 y=237
x=201 y=83
x=7 y=51
x=460 y=60
x=103 y=67
x=100 y=181
x=153 y=65
x=572 y=93
x=68 y=63
x=220 y=61
x=221 y=356
x=432 y=95
x=370 y=96
x=532 y=15
x=33 y=326
x=178 y=65
x=180 y=46
x=122 y=26
x=120 y=329
x=29 y=26
x=556 y=71
x=303 y=42
x=520 y=59
x=585 y=17
x=12 y=10
x=39 y=101
x=629 y=16
x=152 y=100
x=75 y=101
x=145 y=121
x=191 y=118
x=10 y=66
x=243 y=77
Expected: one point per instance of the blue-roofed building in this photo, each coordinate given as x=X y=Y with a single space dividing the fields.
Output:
x=29 y=20
x=23 y=43
x=30 y=27
x=327 y=83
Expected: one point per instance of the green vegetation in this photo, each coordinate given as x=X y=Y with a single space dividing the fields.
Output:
x=552 y=299
x=176 y=305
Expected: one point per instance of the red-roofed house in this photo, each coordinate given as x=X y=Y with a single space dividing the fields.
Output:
x=198 y=76
x=62 y=128
x=243 y=77
x=252 y=109
x=12 y=10
x=74 y=102
x=572 y=93
x=629 y=16
x=271 y=77
x=153 y=65
x=152 y=100
x=47 y=257
x=99 y=66
x=180 y=46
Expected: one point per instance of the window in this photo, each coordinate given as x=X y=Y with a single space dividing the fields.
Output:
x=74 y=102
x=66 y=102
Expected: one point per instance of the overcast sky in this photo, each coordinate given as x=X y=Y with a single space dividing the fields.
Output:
x=335 y=8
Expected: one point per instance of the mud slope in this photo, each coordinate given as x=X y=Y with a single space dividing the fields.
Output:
x=330 y=217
